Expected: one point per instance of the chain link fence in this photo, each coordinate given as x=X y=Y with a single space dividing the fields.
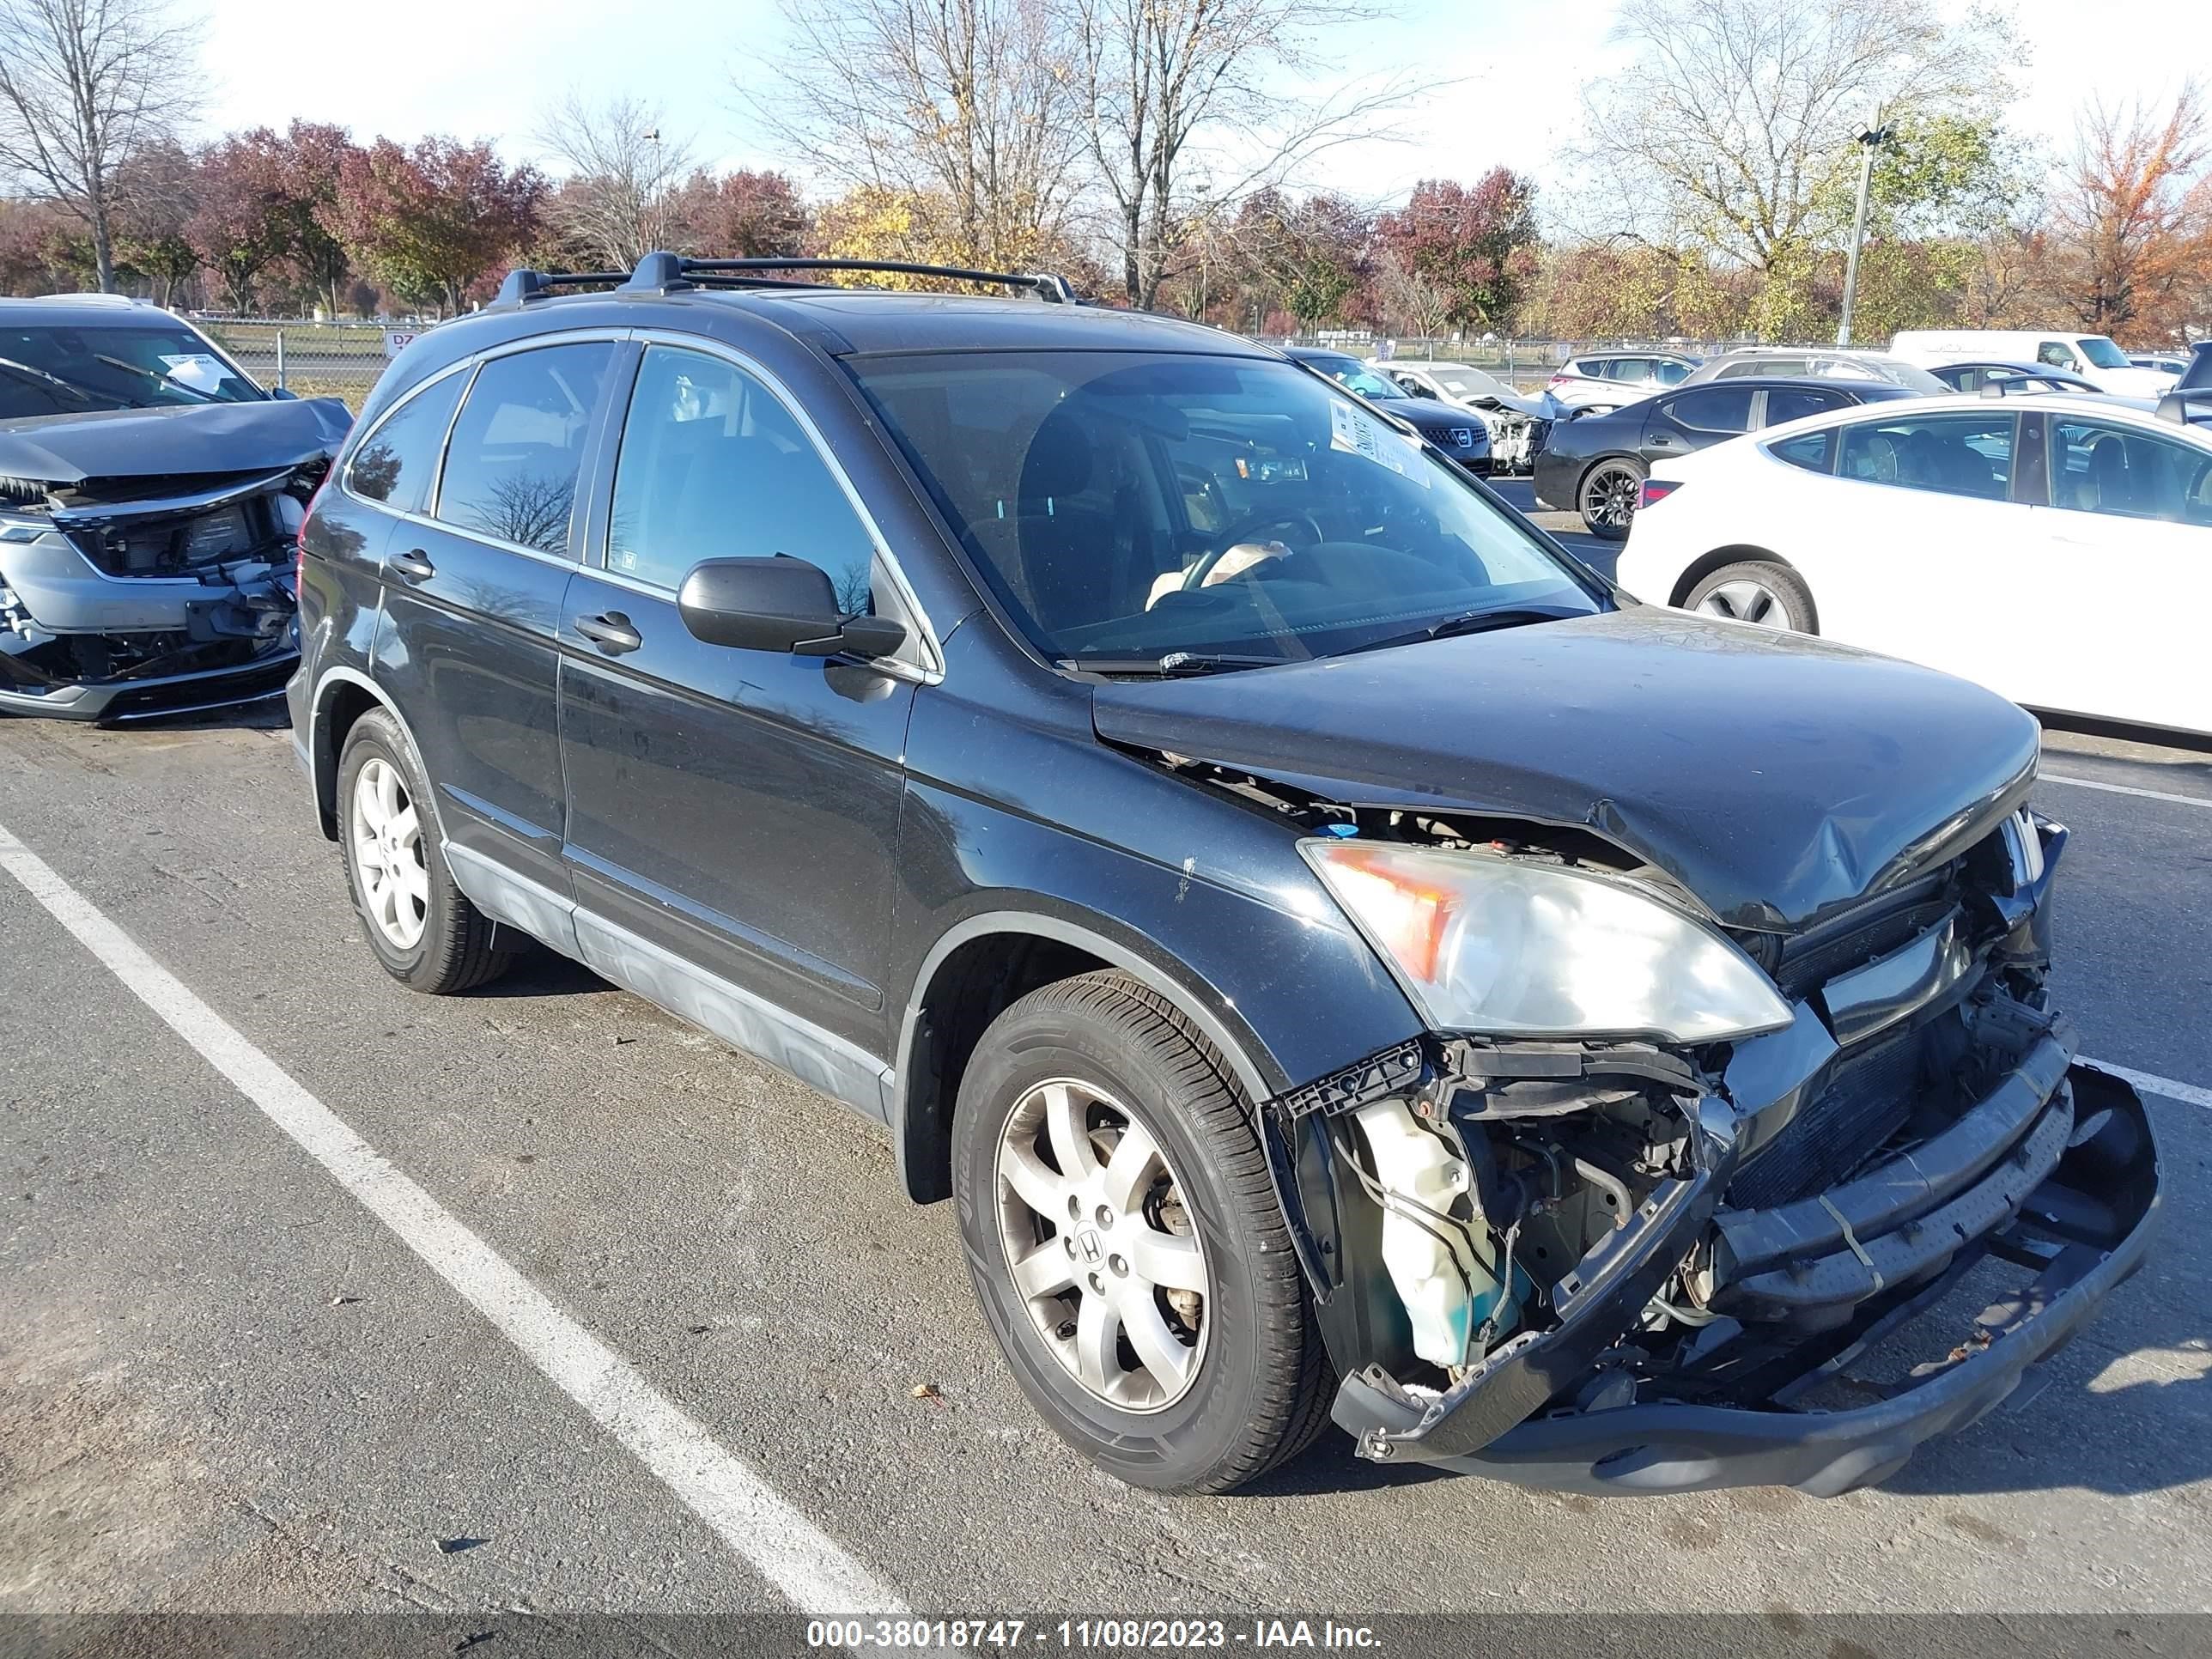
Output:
x=313 y=359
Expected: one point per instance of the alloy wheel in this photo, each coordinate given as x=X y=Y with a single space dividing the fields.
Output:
x=1100 y=1246
x=1747 y=601
x=1610 y=497
x=387 y=854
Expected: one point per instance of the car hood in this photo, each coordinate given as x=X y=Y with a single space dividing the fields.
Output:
x=123 y=443
x=1779 y=778
x=2133 y=382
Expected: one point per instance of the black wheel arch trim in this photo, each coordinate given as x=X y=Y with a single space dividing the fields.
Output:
x=322 y=754
x=1255 y=1069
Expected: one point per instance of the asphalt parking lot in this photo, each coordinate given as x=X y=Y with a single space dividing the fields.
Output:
x=229 y=1385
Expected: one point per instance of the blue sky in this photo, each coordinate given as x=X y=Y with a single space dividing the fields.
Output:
x=485 y=67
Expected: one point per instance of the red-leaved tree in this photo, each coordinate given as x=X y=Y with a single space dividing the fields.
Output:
x=1476 y=247
x=237 y=222
x=738 y=216
x=427 y=222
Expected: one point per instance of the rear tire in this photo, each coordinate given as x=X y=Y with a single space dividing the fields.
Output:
x=1187 y=1241
x=422 y=928
x=1756 y=591
x=1607 y=495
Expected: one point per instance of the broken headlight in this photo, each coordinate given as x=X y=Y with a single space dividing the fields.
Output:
x=1511 y=948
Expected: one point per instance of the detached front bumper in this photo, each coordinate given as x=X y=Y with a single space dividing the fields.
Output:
x=121 y=702
x=2080 y=1230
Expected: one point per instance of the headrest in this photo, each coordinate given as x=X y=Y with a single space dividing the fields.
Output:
x=1059 y=461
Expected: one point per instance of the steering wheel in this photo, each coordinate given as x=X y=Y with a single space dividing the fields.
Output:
x=1246 y=529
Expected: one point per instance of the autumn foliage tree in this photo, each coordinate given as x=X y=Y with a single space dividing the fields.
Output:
x=236 y=226
x=1474 y=246
x=427 y=222
x=738 y=216
x=2131 y=224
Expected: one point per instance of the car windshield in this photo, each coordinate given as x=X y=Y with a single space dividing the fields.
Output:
x=50 y=370
x=1895 y=370
x=2102 y=352
x=1175 y=513
x=1351 y=373
x=1472 y=383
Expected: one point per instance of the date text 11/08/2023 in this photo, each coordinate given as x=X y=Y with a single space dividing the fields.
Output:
x=1004 y=1635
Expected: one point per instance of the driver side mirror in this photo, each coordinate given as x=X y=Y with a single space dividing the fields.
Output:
x=780 y=604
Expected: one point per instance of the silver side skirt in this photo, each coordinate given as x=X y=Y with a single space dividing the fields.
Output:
x=820 y=1059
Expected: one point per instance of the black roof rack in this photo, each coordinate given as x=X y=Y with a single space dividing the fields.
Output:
x=663 y=272
x=522 y=284
x=2176 y=404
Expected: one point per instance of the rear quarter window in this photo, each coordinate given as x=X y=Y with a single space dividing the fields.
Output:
x=1814 y=451
x=396 y=464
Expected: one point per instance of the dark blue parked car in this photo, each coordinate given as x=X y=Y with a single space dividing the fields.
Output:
x=1340 y=956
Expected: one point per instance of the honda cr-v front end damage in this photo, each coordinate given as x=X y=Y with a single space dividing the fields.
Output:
x=1605 y=1262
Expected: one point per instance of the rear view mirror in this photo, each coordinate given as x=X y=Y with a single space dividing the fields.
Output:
x=779 y=604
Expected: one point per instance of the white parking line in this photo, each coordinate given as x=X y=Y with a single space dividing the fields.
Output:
x=2125 y=789
x=2151 y=1082
x=805 y=1565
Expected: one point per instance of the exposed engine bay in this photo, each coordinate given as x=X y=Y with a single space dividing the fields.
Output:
x=1619 y=1265
x=125 y=595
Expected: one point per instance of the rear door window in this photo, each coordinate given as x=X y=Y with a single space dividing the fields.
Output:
x=1795 y=403
x=2125 y=473
x=1713 y=409
x=1951 y=454
x=1629 y=368
x=397 y=464
x=518 y=447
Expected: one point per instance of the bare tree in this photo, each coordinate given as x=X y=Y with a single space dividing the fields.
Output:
x=958 y=110
x=1172 y=92
x=1730 y=127
x=85 y=85
x=1421 y=306
x=624 y=172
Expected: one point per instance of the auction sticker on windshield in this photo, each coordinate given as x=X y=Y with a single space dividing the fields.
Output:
x=1358 y=433
x=197 y=370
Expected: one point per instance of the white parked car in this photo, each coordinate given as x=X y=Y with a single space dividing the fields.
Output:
x=2090 y=355
x=2056 y=548
x=1518 y=423
x=1612 y=379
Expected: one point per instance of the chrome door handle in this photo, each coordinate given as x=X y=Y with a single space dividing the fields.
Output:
x=412 y=566
x=610 y=632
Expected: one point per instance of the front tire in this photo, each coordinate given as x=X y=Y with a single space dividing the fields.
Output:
x=1125 y=1244
x=420 y=926
x=1608 y=496
x=1756 y=591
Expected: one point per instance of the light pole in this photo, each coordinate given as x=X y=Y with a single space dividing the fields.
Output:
x=1868 y=141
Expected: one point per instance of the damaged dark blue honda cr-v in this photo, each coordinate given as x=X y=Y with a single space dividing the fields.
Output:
x=1341 y=957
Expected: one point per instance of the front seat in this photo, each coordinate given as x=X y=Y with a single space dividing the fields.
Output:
x=2108 y=488
x=1073 y=568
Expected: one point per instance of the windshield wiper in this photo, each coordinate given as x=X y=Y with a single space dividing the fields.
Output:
x=40 y=375
x=1174 y=665
x=1472 y=621
x=165 y=381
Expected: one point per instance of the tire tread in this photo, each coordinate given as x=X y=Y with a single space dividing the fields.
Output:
x=1292 y=1406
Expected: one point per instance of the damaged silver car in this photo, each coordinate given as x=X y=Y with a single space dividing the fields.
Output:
x=150 y=498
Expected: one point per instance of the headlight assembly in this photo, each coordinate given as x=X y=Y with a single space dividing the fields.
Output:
x=1511 y=948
